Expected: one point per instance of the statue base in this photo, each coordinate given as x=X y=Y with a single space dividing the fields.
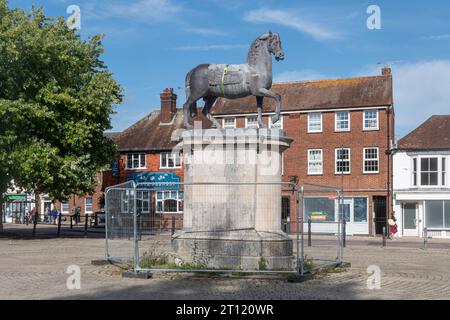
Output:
x=235 y=249
x=232 y=200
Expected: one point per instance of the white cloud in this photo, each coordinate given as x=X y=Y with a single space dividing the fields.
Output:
x=212 y=47
x=294 y=20
x=421 y=89
x=438 y=37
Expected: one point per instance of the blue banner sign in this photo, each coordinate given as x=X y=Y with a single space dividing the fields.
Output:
x=156 y=180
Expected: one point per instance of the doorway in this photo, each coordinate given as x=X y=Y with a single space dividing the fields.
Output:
x=379 y=209
x=410 y=220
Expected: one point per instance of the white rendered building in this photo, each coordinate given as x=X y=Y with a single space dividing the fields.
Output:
x=421 y=181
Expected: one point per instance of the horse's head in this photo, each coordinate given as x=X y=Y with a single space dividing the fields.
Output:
x=274 y=44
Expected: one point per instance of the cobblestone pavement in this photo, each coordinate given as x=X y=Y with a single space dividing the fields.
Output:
x=35 y=269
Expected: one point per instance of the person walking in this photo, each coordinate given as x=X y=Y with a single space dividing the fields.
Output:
x=54 y=215
x=32 y=215
x=47 y=215
x=393 y=228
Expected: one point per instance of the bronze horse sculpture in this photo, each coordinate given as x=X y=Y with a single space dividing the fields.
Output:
x=210 y=81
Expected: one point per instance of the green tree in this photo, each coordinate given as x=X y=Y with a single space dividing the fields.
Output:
x=56 y=100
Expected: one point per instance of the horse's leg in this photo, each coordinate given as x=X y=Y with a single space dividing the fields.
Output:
x=186 y=108
x=259 y=103
x=277 y=98
x=209 y=101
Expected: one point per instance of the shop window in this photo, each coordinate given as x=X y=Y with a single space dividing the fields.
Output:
x=360 y=209
x=319 y=209
x=169 y=202
x=434 y=214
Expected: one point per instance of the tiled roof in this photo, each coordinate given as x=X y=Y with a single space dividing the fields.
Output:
x=433 y=134
x=150 y=134
x=321 y=94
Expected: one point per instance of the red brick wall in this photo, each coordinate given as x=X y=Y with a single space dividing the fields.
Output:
x=356 y=183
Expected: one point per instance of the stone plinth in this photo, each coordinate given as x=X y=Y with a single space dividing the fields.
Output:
x=232 y=199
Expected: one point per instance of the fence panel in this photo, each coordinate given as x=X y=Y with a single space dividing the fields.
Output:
x=145 y=223
x=120 y=203
x=322 y=209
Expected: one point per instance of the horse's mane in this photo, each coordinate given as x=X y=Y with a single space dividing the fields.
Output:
x=254 y=52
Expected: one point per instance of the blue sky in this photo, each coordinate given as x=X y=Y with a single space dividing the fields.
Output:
x=152 y=44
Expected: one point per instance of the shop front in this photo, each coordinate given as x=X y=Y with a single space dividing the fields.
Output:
x=17 y=207
x=417 y=212
x=323 y=213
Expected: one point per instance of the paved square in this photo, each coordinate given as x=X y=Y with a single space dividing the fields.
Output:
x=35 y=269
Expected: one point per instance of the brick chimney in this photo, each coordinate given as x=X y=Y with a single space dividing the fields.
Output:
x=168 y=105
x=386 y=71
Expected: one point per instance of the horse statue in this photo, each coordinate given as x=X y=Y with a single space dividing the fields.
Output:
x=232 y=81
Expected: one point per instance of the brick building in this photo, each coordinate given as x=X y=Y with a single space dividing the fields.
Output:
x=342 y=131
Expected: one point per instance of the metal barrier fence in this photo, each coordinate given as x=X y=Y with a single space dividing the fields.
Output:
x=323 y=226
x=146 y=221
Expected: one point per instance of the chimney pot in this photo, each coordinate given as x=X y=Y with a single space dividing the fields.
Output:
x=386 y=71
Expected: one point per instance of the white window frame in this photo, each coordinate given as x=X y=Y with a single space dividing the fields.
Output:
x=415 y=172
x=173 y=156
x=140 y=197
x=309 y=122
x=86 y=205
x=377 y=159
x=378 y=120
x=178 y=199
x=271 y=125
x=64 y=202
x=225 y=126
x=310 y=161
x=336 y=161
x=133 y=154
x=246 y=122
x=443 y=172
x=438 y=172
x=336 y=120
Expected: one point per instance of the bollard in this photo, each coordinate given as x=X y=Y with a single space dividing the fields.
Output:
x=173 y=225
x=344 y=233
x=71 y=222
x=34 y=223
x=86 y=216
x=384 y=236
x=309 y=233
x=59 y=223
x=425 y=237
